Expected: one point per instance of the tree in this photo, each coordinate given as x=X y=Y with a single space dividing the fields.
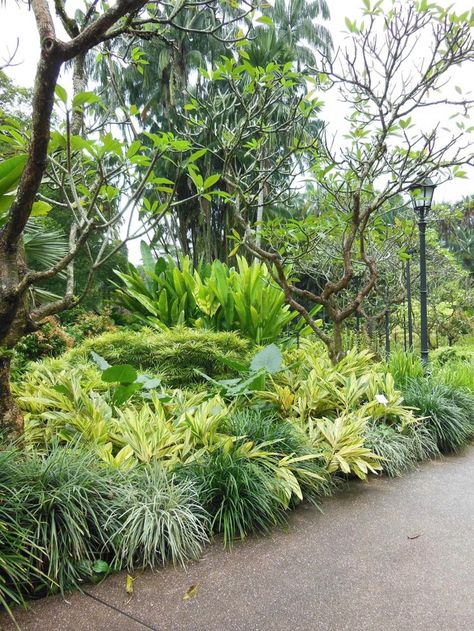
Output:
x=389 y=143
x=84 y=168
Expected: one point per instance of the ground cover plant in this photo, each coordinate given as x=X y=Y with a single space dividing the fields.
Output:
x=108 y=483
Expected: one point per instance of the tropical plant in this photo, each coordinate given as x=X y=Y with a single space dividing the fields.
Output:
x=341 y=444
x=449 y=412
x=162 y=295
x=245 y=299
x=262 y=426
x=265 y=363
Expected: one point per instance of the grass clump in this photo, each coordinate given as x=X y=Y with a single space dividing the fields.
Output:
x=265 y=427
x=403 y=366
x=457 y=374
x=396 y=449
x=449 y=412
x=156 y=519
x=240 y=494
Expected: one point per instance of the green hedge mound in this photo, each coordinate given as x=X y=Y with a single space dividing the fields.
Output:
x=176 y=355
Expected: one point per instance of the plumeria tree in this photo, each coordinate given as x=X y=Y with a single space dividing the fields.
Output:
x=396 y=67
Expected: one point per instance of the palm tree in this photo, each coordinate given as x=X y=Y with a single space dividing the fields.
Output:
x=296 y=27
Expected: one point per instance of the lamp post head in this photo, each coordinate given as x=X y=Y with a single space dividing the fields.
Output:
x=421 y=193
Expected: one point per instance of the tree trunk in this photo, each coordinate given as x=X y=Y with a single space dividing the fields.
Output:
x=11 y=419
x=336 y=351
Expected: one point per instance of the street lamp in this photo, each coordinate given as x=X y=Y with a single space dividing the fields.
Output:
x=410 y=252
x=421 y=193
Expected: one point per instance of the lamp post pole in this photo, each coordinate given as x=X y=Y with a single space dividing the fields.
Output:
x=409 y=307
x=423 y=291
x=387 y=333
x=422 y=196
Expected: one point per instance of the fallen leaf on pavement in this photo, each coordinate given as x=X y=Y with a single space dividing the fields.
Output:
x=190 y=592
x=414 y=536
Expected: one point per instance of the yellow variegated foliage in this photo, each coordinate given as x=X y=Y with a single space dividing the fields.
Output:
x=341 y=442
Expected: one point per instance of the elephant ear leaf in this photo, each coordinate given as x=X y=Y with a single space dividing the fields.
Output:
x=269 y=359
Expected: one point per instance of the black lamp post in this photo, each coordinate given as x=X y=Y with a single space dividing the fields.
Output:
x=409 y=307
x=422 y=196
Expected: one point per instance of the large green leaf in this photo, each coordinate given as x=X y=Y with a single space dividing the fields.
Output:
x=123 y=374
x=269 y=359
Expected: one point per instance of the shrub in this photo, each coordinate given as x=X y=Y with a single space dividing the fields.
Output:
x=80 y=323
x=446 y=354
x=448 y=411
x=239 y=493
x=160 y=519
x=50 y=340
x=174 y=354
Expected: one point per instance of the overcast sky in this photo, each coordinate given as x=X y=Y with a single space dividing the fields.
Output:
x=17 y=23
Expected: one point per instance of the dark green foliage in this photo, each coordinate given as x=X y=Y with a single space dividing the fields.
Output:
x=17 y=550
x=239 y=493
x=65 y=493
x=423 y=441
x=174 y=354
x=261 y=425
x=65 y=515
x=448 y=411
x=81 y=324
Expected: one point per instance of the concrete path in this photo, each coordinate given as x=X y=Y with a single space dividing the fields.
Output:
x=388 y=555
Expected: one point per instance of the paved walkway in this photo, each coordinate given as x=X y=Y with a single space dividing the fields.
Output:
x=389 y=555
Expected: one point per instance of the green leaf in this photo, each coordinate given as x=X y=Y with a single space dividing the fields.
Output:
x=211 y=180
x=100 y=567
x=269 y=359
x=10 y=173
x=61 y=93
x=84 y=98
x=124 y=391
x=147 y=257
x=100 y=361
x=40 y=209
x=265 y=19
x=123 y=373
x=196 y=155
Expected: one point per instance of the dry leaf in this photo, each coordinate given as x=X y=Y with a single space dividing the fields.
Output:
x=129 y=584
x=414 y=536
x=190 y=592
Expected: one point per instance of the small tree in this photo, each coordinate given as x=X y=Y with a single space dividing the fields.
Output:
x=392 y=72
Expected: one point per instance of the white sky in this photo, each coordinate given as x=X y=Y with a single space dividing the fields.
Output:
x=17 y=22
